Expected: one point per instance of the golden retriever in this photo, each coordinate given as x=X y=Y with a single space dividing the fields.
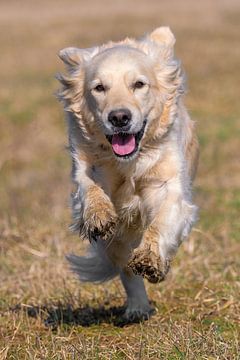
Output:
x=134 y=156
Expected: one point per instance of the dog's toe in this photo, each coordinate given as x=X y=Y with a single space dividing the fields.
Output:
x=146 y=263
x=138 y=315
x=103 y=231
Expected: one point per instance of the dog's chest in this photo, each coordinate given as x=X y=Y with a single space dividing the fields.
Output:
x=127 y=200
x=132 y=196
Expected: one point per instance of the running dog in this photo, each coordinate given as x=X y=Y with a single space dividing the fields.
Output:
x=134 y=156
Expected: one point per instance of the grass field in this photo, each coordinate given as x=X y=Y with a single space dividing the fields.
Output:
x=45 y=313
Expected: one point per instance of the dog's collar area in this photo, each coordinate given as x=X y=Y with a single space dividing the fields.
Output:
x=128 y=140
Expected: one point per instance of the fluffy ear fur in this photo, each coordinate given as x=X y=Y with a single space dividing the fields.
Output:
x=71 y=92
x=163 y=36
x=159 y=44
x=74 y=56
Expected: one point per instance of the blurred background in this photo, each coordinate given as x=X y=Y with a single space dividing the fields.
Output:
x=35 y=167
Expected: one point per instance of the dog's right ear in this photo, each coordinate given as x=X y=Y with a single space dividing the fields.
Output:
x=72 y=56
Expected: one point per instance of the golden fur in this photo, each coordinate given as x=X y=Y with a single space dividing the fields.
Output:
x=139 y=209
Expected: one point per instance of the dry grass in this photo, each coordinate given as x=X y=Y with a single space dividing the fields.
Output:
x=44 y=312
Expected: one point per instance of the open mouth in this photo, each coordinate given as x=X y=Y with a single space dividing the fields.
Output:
x=124 y=144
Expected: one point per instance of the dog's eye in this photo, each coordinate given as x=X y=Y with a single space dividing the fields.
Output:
x=99 y=88
x=138 y=84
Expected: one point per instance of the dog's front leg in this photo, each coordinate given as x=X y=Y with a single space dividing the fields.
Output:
x=93 y=212
x=162 y=237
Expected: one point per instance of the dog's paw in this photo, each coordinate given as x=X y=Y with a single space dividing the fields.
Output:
x=148 y=263
x=136 y=315
x=100 y=220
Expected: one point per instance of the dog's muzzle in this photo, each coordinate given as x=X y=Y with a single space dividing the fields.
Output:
x=125 y=144
x=120 y=118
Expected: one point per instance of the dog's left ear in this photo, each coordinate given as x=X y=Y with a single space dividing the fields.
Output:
x=159 y=43
x=72 y=56
x=163 y=36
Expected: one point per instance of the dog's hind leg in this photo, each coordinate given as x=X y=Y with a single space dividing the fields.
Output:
x=138 y=306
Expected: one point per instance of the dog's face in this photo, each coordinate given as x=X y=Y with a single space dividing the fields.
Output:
x=120 y=89
x=121 y=86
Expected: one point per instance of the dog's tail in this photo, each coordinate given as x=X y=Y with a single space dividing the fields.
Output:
x=95 y=266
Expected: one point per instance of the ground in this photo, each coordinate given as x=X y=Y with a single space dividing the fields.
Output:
x=45 y=313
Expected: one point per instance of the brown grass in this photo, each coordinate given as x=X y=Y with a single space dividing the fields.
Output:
x=44 y=312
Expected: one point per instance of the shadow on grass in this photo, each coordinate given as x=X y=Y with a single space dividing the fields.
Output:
x=54 y=316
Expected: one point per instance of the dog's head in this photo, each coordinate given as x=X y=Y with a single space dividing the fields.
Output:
x=124 y=86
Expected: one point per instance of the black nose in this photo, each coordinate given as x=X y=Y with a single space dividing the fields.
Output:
x=120 y=117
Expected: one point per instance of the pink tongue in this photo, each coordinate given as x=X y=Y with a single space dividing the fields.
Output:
x=123 y=145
